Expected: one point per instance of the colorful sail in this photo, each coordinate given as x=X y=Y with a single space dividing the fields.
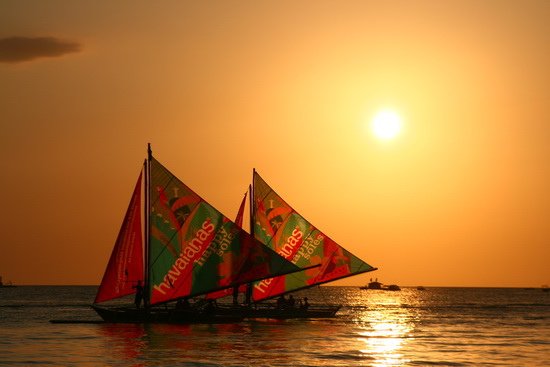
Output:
x=194 y=249
x=240 y=213
x=277 y=225
x=125 y=267
x=229 y=291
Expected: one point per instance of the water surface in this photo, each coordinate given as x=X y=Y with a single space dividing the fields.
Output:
x=432 y=327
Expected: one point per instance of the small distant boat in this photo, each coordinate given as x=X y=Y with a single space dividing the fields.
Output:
x=420 y=288
x=378 y=286
x=393 y=287
x=6 y=285
x=373 y=285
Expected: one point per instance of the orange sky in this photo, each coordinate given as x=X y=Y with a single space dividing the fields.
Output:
x=460 y=198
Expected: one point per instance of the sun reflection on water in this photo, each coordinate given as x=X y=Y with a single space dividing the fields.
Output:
x=387 y=327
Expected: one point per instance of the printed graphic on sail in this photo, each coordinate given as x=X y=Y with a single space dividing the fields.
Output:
x=194 y=249
x=278 y=226
x=229 y=291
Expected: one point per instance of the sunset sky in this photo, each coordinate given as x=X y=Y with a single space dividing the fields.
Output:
x=460 y=197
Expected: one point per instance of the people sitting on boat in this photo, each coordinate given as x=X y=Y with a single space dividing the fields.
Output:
x=304 y=305
x=183 y=304
x=210 y=306
x=281 y=301
x=291 y=302
x=139 y=294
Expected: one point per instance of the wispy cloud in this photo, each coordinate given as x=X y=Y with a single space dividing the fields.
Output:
x=20 y=49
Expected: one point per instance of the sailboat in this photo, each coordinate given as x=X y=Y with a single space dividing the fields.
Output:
x=277 y=225
x=9 y=284
x=173 y=246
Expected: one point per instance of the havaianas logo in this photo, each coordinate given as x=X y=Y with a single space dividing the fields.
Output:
x=287 y=251
x=187 y=256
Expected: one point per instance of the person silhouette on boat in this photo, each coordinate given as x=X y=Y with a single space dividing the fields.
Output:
x=281 y=302
x=211 y=306
x=291 y=301
x=139 y=294
x=183 y=304
x=305 y=304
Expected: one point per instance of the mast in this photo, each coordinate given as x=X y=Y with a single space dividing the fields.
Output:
x=147 y=228
x=251 y=198
x=248 y=295
x=239 y=222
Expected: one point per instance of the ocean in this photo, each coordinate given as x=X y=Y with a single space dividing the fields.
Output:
x=411 y=327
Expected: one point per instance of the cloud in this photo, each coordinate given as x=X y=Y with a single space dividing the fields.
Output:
x=20 y=49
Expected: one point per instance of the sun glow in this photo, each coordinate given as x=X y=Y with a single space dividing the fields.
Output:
x=386 y=124
x=388 y=328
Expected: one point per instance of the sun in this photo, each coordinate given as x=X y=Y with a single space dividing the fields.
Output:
x=386 y=124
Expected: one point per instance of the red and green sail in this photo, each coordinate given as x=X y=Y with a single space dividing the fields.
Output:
x=125 y=267
x=277 y=225
x=240 y=213
x=196 y=250
x=228 y=291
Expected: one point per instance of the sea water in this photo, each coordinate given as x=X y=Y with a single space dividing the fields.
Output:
x=411 y=327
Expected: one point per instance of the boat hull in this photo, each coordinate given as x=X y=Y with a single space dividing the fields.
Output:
x=378 y=286
x=161 y=315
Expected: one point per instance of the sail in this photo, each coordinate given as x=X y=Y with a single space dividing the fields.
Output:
x=240 y=213
x=228 y=291
x=194 y=249
x=280 y=227
x=125 y=267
